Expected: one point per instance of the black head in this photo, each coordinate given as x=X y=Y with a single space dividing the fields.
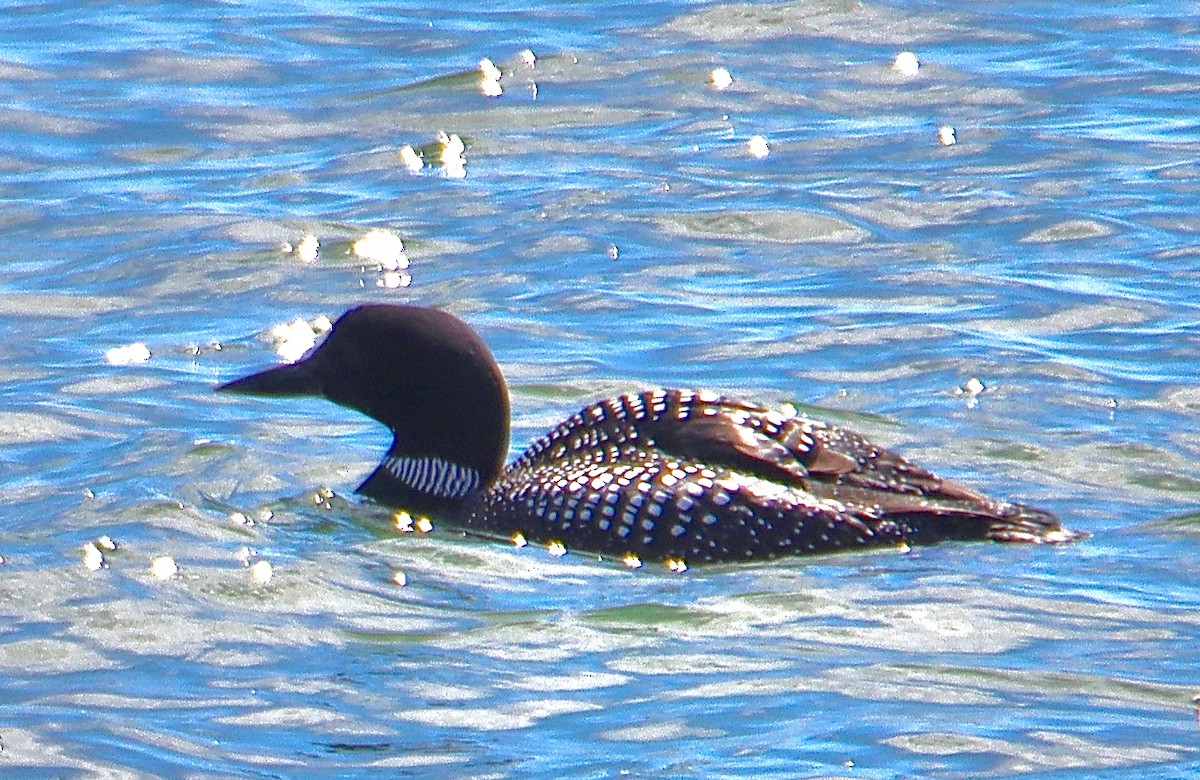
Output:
x=422 y=372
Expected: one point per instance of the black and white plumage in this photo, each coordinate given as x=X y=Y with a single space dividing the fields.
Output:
x=667 y=475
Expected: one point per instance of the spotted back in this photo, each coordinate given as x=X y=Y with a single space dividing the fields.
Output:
x=657 y=507
x=718 y=430
x=671 y=473
x=619 y=428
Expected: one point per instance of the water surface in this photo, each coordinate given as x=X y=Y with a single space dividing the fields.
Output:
x=612 y=232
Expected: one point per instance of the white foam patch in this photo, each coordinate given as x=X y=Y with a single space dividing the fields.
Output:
x=93 y=559
x=392 y=280
x=128 y=355
x=261 y=572
x=453 y=155
x=489 y=70
x=906 y=64
x=307 y=249
x=164 y=567
x=383 y=247
x=411 y=159
x=490 y=87
x=291 y=340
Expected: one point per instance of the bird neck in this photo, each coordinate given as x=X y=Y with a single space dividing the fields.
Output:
x=436 y=475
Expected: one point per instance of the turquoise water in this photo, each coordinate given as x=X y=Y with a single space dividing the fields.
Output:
x=612 y=232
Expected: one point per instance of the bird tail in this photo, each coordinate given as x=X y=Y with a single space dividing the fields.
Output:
x=995 y=520
x=1021 y=523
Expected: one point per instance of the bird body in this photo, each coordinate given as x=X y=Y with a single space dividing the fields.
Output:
x=673 y=475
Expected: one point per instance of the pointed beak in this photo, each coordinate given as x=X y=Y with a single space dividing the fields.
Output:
x=289 y=380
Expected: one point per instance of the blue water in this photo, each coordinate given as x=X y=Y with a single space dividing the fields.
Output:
x=612 y=232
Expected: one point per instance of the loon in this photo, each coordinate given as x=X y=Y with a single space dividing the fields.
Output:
x=673 y=476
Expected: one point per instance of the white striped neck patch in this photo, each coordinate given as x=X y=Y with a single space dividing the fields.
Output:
x=433 y=476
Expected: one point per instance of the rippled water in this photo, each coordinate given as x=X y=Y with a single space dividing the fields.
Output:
x=613 y=231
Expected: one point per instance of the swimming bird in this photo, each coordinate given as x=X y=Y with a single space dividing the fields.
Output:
x=670 y=475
